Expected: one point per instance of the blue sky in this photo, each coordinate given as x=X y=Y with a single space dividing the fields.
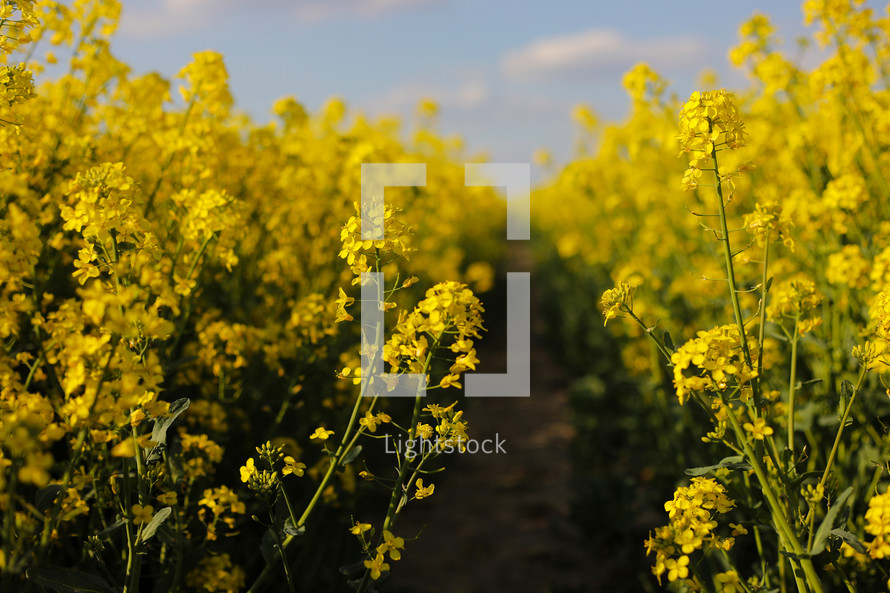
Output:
x=505 y=72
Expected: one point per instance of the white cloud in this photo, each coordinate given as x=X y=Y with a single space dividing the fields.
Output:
x=319 y=10
x=468 y=92
x=166 y=18
x=585 y=54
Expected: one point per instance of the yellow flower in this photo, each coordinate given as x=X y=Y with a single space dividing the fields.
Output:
x=711 y=362
x=424 y=431
x=880 y=314
x=465 y=361
x=377 y=566
x=248 y=470
x=167 y=498
x=184 y=286
x=709 y=122
x=321 y=434
x=729 y=582
x=616 y=300
x=677 y=569
x=878 y=524
x=370 y=421
x=125 y=448
x=423 y=492
x=450 y=380
x=142 y=514
x=392 y=545
x=342 y=302
x=359 y=528
x=759 y=429
x=292 y=466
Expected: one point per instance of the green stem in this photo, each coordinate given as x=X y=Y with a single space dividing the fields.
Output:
x=134 y=561
x=658 y=343
x=732 y=565
x=758 y=540
x=398 y=494
x=786 y=533
x=290 y=508
x=32 y=371
x=280 y=548
x=840 y=429
x=792 y=383
x=762 y=330
x=730 y=273
x=346 y=443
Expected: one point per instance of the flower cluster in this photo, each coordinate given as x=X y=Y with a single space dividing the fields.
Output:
x=216 y=574
x=224 y=505
x=712 y=362
x=449 y=310
x=709 y=121
x=878 y=525
x=450 y=429
x=796 y=298
x=16 y=85
x=848 y=267
x=880 y=314
x=617 y=300
x=356 y=251
x=691 y=513
x=769 y=220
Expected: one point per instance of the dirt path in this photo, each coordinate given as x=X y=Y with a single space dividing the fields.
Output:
x=501 y=522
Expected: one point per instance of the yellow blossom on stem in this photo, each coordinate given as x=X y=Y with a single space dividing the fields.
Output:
x=292 y=466
x=321 y=434
x=758 y=429
x=142 y=514
x=617 y=300
x=359 y=528
x=423 y=491
x=377 y=566
x=392 y=545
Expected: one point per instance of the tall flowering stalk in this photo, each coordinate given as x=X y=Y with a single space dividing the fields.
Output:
x=442 y=325
x=709 y=123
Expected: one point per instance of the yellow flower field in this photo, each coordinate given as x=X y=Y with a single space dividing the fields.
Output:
x=182 y=402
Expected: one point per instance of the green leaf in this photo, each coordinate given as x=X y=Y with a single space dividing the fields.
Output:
x=291 y=529
x=66 y=580
x=159 y=432
x=734 y=462
x=821 y=539
x=111 y=528
x=46 y=496
x=847 y=390
x=352 y=455
x=849 y=538
x=803 y=556
x=353 y=570
x=668 y=342
x=267 y=547
x=797 y=481
x=162 y=424
x=149 y=530
x=801 y=384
